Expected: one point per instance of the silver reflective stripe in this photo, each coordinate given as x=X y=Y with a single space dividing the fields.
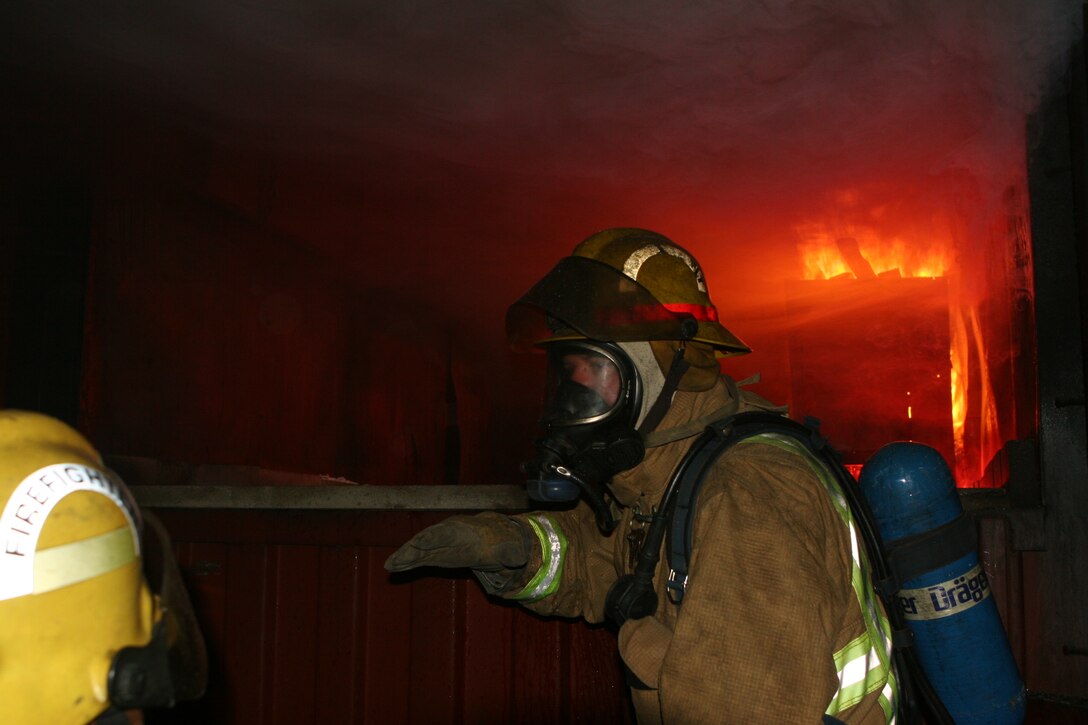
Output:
x=553 y=547
x=638 y=258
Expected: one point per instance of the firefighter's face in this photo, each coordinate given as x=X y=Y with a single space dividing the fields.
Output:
x=595 y=372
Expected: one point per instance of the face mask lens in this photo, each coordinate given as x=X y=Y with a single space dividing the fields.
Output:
x=595 y=372
x=585 y=385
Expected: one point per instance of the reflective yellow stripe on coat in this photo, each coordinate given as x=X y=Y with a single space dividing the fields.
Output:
x=864 y=664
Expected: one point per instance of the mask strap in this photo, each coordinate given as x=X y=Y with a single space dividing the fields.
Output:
x=677 y=368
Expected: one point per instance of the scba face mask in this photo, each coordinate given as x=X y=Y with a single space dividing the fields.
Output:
x=592 y=402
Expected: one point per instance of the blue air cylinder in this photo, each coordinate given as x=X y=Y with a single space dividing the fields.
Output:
x=932 y=548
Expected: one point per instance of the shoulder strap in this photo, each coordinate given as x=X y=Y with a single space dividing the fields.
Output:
x=730 y=430
x=916 y=692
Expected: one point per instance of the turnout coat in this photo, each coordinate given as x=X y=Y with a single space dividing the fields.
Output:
x=779 y=623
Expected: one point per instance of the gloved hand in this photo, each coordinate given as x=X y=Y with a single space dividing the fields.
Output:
x=487 y=542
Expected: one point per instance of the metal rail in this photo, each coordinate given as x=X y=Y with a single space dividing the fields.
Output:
x=159 y=484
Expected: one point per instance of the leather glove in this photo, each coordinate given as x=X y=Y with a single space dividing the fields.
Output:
x=487 y=542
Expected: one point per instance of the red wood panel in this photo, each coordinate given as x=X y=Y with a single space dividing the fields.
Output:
x=538 y=687
x=304 y=625
x=596 y=693
x=488 y=658
x=319 y=632
x=293 y=623
x=339 y=665
x=435 y=645
x=387 y=656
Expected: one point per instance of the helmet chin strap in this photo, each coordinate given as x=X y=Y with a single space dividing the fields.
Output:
x=677 y=368
x=656 y=438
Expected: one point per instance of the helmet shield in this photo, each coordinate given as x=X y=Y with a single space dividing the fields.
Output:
x=586 y=383
x=585 y=298
x=173 y=666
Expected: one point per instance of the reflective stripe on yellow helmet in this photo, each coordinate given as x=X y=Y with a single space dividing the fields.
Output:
x=26 y=511
x=67 y=564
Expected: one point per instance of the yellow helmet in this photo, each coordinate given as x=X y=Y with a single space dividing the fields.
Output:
x=622 y=285
x=80 y=629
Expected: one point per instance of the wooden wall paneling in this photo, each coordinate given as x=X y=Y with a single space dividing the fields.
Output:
x=1058 y=206
x=538 y=669
x=399 y=407
x=221 y=320
x=488 y=661
x=387 y=665
x=305 y=625
x=291 y=681
x=247 y=651
x=595 y=681
x=338 y=671
x=435 y=643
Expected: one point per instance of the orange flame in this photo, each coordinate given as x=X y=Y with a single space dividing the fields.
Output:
x=959 y=357
x=826 y=254
x=822 y=256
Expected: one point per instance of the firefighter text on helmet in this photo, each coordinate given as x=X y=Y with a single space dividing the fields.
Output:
x=82 y=629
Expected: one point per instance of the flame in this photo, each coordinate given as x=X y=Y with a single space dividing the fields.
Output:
x=958 y=356
x=826 y=253
x=823 y=260
x=822 y=256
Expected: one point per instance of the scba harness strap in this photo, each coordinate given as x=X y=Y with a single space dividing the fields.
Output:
x=725 y=435
x=633 y=596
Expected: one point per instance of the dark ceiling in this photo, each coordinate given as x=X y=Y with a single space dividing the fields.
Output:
x=725 y=96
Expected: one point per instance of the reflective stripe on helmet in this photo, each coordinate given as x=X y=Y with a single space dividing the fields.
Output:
x=79 y=561
x=864 y=664
x=638 y=257
x=702 y=313
x=553 y=546
x=27 y=510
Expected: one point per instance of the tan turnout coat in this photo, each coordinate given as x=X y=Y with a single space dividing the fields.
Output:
x=769 y=598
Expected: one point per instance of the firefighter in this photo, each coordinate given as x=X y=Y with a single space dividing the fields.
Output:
x=94 y=621
x=777 y=622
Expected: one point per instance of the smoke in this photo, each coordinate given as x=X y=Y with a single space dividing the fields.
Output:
x=664 y=81
x=448 y=152
x=693 y=114
x=728 y=126
x=693 y=109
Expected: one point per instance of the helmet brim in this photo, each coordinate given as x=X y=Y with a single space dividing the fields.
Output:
x=582 y=298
